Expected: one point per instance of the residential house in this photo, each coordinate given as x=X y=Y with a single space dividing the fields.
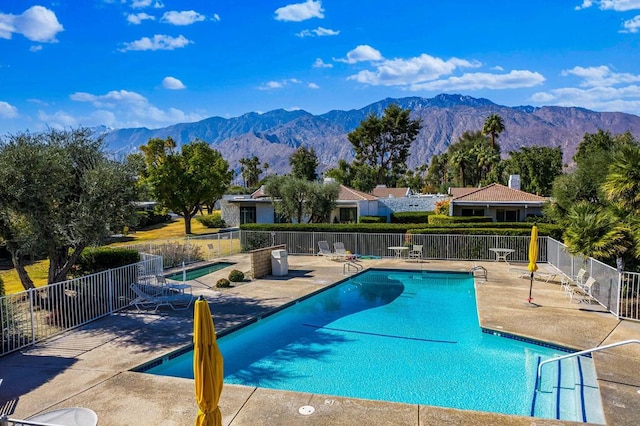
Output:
x=502 y=203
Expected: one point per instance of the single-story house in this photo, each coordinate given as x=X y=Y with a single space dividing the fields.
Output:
x=351 y=204
x=502 y=203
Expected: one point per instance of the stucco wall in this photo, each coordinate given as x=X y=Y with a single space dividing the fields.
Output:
x=230 y=213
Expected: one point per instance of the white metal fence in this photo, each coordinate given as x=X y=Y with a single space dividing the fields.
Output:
x=34 y=315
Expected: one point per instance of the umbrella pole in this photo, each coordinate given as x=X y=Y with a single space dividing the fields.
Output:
x=530 y=288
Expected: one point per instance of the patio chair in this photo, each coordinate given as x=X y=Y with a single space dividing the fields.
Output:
x=583 y=291
x=147 y=296
x=341 y=252
x=325 y=250
x=415 y=252
x=568 y=282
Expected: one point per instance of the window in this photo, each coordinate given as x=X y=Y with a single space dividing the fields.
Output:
x=506 y=215
x=349 y=214
x=472 y=212
x=278 y=218
x=247 y=215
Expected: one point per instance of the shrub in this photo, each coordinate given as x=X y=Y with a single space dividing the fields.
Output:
x=438 y=219
x=212 y=221
x=373 y=219
x=410 y=217
x=147 y=218
x=96 y=259
x=1 y=287
x=236 y=276
x=223 y=283
x=442 y=207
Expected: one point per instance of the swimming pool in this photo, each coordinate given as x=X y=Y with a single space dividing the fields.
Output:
x=401 y=336
x=195 y=273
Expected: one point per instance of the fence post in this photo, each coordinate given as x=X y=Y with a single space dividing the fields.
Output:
x=33 y=320
x=110 y=290
x=619 y=295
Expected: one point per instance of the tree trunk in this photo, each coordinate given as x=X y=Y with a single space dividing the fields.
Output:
x=61 y=261
x=25 y=279
x=187 y=223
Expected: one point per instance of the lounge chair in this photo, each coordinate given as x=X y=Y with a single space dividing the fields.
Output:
x=578 y=280
x=539 y=275
x=584 y=291
x=341 y=252
x=325 y=250
x=415 y=252
x=149 y=296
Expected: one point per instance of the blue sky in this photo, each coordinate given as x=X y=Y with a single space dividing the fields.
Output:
x=153 y=63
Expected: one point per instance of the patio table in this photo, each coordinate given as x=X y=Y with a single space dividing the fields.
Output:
x=501 y=253
x=399 y=251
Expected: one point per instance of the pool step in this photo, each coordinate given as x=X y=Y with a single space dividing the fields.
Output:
x=569 y=391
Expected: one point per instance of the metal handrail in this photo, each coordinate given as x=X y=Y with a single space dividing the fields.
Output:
x=347 y=265
x=587 y=351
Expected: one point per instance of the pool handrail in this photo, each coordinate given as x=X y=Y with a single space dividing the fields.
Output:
x=575 y=354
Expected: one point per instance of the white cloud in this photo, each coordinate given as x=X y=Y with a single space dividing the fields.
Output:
x=36 y=23
x=216 y=17
x=399 y=72
x=137 y=18
x=300 y=11
x=186 y=17
x=172 y=83
x=599 y=89
x=271 y=85
x=7 y=110
x=631 y=25
x=119 y=109
x=318 y=32
x=140 y=4
x=515 y=79
x=319 y=63
x=362 y=53
x=35 y=48
x=313 y=86
x=600 y=76
x=616 y=5
x=158 y=42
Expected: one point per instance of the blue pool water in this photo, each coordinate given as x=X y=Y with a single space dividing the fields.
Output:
x=409 y=337
x=195 y=273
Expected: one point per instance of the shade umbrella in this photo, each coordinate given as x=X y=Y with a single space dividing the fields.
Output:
x=207 y=366
x=533 y=256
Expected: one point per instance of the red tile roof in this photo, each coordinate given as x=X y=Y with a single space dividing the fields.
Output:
x=350 y=194
x=384 y=192
x=496 y=192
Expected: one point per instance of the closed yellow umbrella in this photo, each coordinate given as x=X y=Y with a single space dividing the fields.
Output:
x=533 y=257
x=208 y=366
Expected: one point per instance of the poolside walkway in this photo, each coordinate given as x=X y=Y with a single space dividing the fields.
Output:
x=90 y=366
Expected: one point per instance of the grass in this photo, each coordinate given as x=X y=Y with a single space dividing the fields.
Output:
x=38 y=270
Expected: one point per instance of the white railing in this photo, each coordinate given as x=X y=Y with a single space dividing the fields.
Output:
x=37 y=314
x=435 y=246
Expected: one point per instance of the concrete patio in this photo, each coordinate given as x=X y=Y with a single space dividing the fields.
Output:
x=90 y=366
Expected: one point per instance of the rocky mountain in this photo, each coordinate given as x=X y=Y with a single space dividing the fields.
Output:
x=274 y=135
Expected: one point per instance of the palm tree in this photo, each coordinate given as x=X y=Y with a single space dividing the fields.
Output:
x=459 y=160
x=493 y=126
x=622 y=183
x=593 y=231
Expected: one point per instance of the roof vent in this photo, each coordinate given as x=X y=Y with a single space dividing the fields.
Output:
x=514 y=182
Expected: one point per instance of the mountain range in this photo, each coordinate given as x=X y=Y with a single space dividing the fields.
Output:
x=273 y=136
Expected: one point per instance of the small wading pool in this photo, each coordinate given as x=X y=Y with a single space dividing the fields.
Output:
x=201 y=271
x=403 y=336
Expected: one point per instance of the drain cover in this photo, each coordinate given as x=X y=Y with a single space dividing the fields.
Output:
x=306 y=410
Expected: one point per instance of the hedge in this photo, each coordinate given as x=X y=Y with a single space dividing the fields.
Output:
x=553 y=231
x=148 y=218
x=368 y=228
x=373 y=219
x=212 y=221
x=440 y=219
x=96 y=259
x=411 y=217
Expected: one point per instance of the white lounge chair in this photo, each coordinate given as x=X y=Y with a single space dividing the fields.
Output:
x=415 y=252
x=149 y=296
x=584 y=291
x=341 y=252
x=578 y=280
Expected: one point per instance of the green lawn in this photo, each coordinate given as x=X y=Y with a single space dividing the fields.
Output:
x=38 y=270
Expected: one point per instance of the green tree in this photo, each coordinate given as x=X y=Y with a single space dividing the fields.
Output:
x=383 y=143
x=59 y=194
x=297 y=199
x=251 y=169
x=493 y=126
x=593 y=231
x=538 y=166
x=359 y=176
x=437 y=175
x=184 y=180
x=304 y=163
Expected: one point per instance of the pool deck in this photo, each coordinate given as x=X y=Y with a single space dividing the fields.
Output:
x=90 y=366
